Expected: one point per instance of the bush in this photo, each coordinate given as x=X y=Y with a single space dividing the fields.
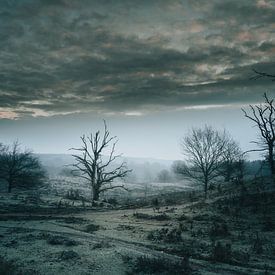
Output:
x=112 y=201
x=268 y=224
x=68 y=255
x=102 y=244
x=74 y=220
x=60 y=240
x=171 y=236
x=73 y=194
x=90 y=228
x=257 y=245
x=150 y=265
x=222 y=253
x=219 y=230
x=182 y=217
x=8 y=267
x=161 y=217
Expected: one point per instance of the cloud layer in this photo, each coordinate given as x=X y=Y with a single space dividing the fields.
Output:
x=132 y=57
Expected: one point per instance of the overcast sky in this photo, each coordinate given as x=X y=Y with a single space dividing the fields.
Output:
x=152 y=68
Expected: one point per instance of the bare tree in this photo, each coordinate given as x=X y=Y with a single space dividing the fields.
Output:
x=231 y=160
x=263 y=115
x=204 y=150
x=164 y=176
x=90 y=162
x=19 y=168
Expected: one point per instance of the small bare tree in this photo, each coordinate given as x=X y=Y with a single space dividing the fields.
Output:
x=19 y=168
x=90 y=162
x=231 y=159
x=263 y=115
x=204 y=150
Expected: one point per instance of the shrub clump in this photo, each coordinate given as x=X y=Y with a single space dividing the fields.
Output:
x=74 y=220
x=68 y=255
x=160 y=217
x=257 y=245
x=219 y=229
x=60 y=240
x=150 y=265
x=73 y=194
x=102 y=244
x=182 y=217
x=222 y=253
x=90 y=228
x=164 y=234
x=8 y=267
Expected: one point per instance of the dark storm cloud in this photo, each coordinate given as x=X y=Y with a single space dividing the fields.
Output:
x=245 y=11
x=121 y=56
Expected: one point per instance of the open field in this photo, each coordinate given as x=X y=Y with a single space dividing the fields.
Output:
x=226 y=234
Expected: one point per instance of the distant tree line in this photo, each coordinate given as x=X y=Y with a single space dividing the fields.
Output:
x=210 y=155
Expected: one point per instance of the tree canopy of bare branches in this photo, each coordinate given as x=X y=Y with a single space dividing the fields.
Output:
x=208 y=152
x=93 y=167
x=263 y=116
x=259 y=75
x=232 y=164
x=19 y=168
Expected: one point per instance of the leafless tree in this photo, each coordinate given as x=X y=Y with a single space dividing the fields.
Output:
x=204 y=150
x=232 y=159
x=263 y=115
x=99 y=173
x=164 y=176
x=19 y=168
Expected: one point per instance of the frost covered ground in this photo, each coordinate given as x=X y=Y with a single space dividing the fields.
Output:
x=232 y=232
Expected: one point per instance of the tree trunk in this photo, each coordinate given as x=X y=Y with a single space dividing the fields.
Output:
x=95 y=193
x=9 y=180
x=205 y=187
x=227 y=176
x=271 y=159
x=9 y=187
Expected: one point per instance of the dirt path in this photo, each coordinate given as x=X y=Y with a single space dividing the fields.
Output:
x=49 y=224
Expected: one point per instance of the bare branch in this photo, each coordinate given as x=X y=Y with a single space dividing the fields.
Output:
x=261 y=75
x=263 y=116
x=93 y=166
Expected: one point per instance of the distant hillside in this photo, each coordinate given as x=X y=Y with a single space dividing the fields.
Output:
x=144 y=169
x=59 y=160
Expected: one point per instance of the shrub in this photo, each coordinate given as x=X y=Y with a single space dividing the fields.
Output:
x=74 y=220
x=241 y=257
x=11 y=268
x=102 y=244
x=150 y=265
x=160 y=217
x=164 y=234
x=112 y=201
x=8 y=267
x=222 y=253
x=268 y=224
x=182 y=217
x=90 y=228
x=219 y=229
x=73 y=194
x=60 y=240
x=68 y=255
x=257 y=245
